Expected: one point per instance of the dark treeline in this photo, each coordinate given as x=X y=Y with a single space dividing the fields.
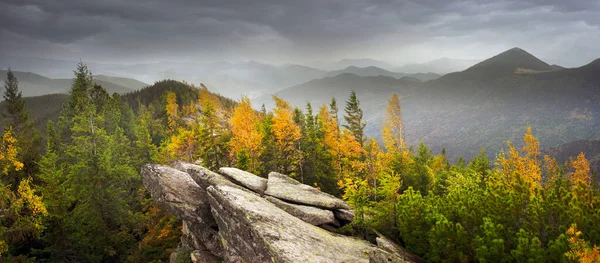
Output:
x=76 y=195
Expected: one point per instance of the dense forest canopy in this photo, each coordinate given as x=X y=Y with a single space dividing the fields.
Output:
x=75 y=194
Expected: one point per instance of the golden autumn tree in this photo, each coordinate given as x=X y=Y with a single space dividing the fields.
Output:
x=580 y=250
x=331 y=136
x=552 y=169
x=21 y=211
x=287 y=135
x=246 y=137
x=182 y=146
x=524 y=163
x=393 y=127
x=580 y=170
x=172 y=114
x=205 y=97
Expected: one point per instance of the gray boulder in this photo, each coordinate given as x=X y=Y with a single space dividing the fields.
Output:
x=176 y=192
x=288 y=189
x=199 y=256
x=255 y=230
x=246 y=179
x=390 y=252
x=312 y=215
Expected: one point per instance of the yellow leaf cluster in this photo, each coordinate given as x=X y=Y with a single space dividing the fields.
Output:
x=524 y=163
x=172 y=114
x=246 y=135
x=287 y=132
x=580 y=170
x=580 y=249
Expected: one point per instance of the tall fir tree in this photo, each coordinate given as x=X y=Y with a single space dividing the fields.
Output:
x=354 y=117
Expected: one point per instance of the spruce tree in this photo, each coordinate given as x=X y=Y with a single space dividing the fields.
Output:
x=353 y=118
x=16 y=112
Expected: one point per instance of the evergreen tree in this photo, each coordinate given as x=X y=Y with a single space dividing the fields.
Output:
x=28 y=138
x=354 y=117
x=91 y=180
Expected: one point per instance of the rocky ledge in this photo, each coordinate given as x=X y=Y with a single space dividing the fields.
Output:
x=236 y=216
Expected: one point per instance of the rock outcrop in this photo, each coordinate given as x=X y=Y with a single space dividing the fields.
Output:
x=236 y=216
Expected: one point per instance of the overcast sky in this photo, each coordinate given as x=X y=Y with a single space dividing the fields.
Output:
x=298 y=31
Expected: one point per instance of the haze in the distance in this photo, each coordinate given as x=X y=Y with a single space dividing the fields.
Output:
x=298 y=32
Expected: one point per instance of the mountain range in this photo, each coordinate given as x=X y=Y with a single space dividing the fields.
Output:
x=31 y=84
x=483 y=106
x=251 y=78
x=373 y=71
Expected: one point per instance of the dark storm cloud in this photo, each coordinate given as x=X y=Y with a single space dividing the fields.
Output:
x=281 y=30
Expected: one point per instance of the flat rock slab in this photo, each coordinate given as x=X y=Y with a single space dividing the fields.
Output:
x=257 y=231
x=309 y=214
x=288 y=189
x=344 y=214
x=246 y=179
x=202 y=176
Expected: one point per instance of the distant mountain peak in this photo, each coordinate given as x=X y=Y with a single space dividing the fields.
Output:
x=510 y=60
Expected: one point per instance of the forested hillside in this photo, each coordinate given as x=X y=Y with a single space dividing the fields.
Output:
x=75 y=195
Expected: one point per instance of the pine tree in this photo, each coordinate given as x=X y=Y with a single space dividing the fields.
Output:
x=268 y=157
x=89 y=177
x=211 y=138
x=16 y=111
x=354 y=117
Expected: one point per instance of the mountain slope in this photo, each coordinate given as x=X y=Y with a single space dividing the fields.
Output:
x=591 y=148
x=439 y=66
x=131 y=84
x=41 y=109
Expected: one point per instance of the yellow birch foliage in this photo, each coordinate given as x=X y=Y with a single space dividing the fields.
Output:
x=172 y=114
x=580 y=249
x=182 y=146
x=552 y=168
x=524 y=163
x=580 y=173
x=205 y=97
x=246 y=135
x=287 y=132
x=393 y=127
x=23 y=207
x=331 y=135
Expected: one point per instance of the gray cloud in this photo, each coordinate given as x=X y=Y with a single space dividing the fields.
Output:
x=282 y=31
